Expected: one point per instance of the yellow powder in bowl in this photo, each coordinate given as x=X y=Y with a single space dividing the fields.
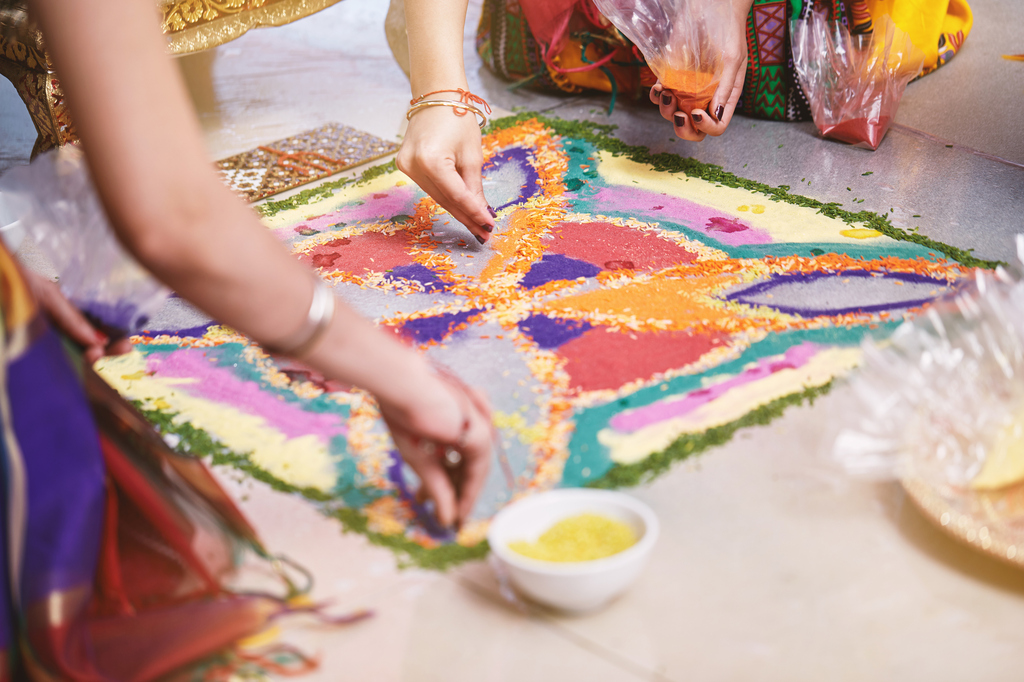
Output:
x=584 y=537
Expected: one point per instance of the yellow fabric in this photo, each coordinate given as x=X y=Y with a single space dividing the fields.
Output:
x=927 y=21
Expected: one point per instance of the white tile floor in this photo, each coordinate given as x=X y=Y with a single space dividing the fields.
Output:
x=773 y=564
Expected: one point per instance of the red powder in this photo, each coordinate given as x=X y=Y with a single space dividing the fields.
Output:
x=604 y=359
x=613 y=247
x=864 y=131
x=371 y=251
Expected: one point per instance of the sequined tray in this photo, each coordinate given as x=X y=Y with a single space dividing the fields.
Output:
x=990 y=521
x=300 y=159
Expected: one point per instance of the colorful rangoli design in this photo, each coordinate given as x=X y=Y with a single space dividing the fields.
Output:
x=624 y=314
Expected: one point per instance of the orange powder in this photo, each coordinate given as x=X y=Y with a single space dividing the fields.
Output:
x=693 y=89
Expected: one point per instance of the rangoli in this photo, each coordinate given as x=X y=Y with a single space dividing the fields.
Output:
x=630 y=310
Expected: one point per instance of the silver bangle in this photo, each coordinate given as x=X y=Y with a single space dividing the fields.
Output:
x=321 y=312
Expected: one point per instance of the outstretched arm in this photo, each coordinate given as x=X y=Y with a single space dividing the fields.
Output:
x=145 y=150
x=441 y=151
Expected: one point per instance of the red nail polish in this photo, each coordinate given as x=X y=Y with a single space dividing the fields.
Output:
x=697 y=118
x=719 y=111
x=480 y=239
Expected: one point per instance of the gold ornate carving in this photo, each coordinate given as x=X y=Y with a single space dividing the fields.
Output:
x=194 y=25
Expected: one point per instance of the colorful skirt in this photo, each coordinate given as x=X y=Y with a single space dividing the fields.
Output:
x=592 y=55
x=112 y=547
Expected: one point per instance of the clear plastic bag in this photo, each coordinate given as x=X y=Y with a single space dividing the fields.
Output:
x=682 y=40
x=853 y=83
x=56 y=203
x=943 y=400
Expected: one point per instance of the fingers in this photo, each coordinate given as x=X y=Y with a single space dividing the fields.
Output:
x=69 y=320
x=425 y=459
x=684 y=127
x=465 y=205
x=476 y=461
x=666 y=104
x=119 y=347
x=723 y=104
x=442 y=153
x=64 y=315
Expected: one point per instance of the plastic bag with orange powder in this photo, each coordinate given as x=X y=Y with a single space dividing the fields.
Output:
x=682 y=41
x=853 y=83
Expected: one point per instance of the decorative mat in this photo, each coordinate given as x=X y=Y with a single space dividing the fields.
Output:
x=300 y=159
x=630 y=310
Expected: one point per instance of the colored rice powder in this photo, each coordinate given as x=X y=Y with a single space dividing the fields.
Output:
x=692 y=89
x=584 y=537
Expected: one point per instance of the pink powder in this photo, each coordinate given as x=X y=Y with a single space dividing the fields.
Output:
x=633 y=420
x=656 y=207
x=222 y=386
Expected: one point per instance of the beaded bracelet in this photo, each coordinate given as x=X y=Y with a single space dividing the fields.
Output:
x=467 y=102
x=318 y=318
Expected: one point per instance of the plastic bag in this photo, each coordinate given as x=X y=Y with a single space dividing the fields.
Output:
x=853 y=82
x=943 y=400
x=58 y=207
x=682 y=40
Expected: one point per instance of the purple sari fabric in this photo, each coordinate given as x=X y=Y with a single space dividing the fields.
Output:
x=53 y=488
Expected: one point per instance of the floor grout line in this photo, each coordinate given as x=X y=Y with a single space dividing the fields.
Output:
x=535 y=614
x=954 y=145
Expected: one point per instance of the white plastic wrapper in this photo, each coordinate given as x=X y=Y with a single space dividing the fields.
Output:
x=682 y=41
x=945 y=394
x=58 y=207
x=853 y=83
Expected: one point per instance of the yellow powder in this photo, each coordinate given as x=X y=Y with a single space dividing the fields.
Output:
x=579 y=538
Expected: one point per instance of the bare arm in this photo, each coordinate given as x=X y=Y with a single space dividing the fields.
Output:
x=166 y=204
x=442 y=151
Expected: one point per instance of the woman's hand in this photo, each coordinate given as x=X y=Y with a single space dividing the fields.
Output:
x=442 y=154
x=700 y=123
x=71 y=322
x=444 y=433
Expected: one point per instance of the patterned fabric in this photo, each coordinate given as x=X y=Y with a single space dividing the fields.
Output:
x=100 y=529
x=771 y=89
x=508 y=47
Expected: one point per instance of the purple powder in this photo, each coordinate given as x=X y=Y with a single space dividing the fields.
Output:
x=553 y=267
x=436 y=328
x=552 y=332
x=418 y=273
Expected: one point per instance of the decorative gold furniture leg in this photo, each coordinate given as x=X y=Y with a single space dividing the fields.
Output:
x=23 y=61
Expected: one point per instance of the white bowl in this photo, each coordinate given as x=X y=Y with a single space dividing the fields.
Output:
x=581 y=586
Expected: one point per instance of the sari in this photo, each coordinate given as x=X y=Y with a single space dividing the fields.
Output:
x=113 y=548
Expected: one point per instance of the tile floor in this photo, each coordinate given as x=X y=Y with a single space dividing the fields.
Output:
x=774 y=564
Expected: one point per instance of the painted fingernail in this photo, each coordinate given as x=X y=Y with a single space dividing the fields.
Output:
x=480 y=239
x=697 y=118
x=679 y=119
x=719 y=111
x=487 y=228
x=494 y=214
x=666 y=99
